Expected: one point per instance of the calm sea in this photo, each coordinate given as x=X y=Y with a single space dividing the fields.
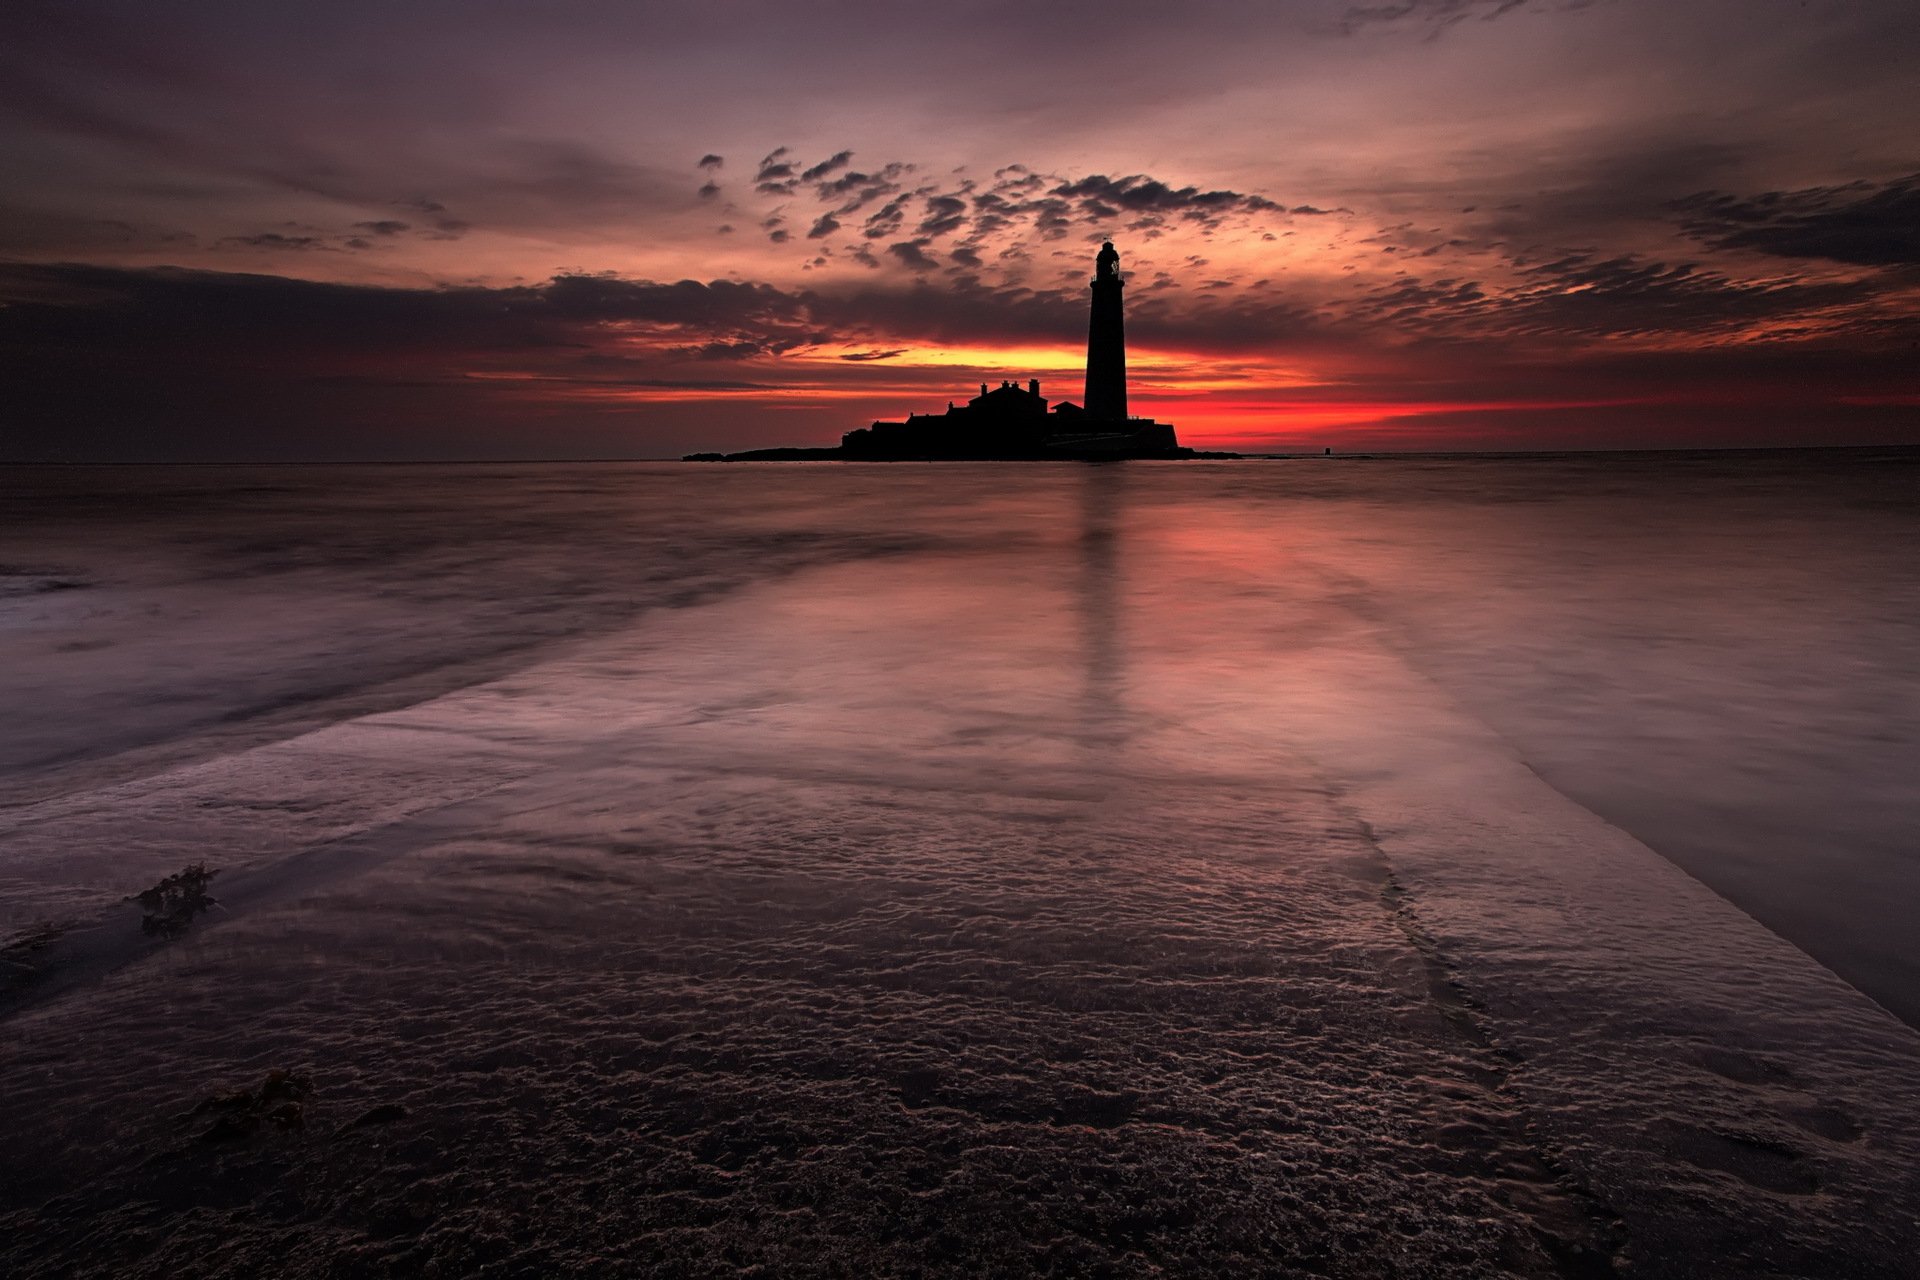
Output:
x=1716 y=652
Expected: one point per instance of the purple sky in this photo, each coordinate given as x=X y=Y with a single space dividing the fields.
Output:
x=594 y=229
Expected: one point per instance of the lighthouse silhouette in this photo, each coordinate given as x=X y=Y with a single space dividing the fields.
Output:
x=1015 y=423
x=1106 y=397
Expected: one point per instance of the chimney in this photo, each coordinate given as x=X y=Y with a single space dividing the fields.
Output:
x=1033 y=385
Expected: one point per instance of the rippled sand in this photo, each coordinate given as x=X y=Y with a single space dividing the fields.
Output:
x=1032 y=889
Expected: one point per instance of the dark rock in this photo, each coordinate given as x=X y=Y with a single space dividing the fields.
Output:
x=284 y=1084
x=234 y=1101
x=232 y=1127
x=385 y=1113
x=170 y=906
x=279 y=1101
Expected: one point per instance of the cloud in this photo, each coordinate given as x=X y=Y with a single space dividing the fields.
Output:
x=825 y=225
x=774 y=167
x=1585 y=298
x=275 y=240
x=708 y=190
x=711 y=161
x=209 y=314
x=1862 y=223
x=837 y=160
x=1624 y=295
x=1141 y=194
x=91 y=351
x=913 y=253
x=1021 y=203
x=944 y=214
x=720 y=349
x=384 y=227
x=885 y=220
x=1436 y=15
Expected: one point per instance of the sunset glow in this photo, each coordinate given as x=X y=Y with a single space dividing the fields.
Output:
x=1445 y=224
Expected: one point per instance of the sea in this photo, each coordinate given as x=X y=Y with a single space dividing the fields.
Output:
x=1521 y=847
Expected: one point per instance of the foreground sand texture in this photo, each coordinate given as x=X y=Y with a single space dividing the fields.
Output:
x=937 y=909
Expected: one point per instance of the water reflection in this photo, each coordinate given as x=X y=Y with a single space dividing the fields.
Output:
x=1103 y=726
x=1714 y=653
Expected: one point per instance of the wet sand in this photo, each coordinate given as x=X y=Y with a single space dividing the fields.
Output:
x=940 y=911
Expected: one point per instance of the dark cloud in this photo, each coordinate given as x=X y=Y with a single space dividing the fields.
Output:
x=208 y=315
x=913 y=254
x=837 y=160
x=840 y=186
x=1437 y=15
x=1141 y=194
x=275 y=240
x=1585 y=295
x=710 y=161
x=384 y=227
x=708 y=190
x=1863 y=223
x=885 y=220
x=1603 y=191
x=852 y=191
x=1583 y=298
x=825 y=225
x=1020 y=201
x=944 y=214
x=738 y=349
x=532 y=182
x=84 y=348
x=1051 y=218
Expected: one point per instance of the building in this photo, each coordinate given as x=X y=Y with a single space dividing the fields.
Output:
x=1014 y=422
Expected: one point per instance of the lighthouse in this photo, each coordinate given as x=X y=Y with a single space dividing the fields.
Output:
x=1017 y=424
x=1106 y=398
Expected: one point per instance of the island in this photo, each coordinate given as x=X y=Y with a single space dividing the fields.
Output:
x=1014 y=423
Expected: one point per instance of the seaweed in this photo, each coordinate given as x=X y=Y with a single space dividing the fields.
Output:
x=170 y=906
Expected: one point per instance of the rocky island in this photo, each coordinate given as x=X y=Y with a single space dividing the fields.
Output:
x=1012 y=423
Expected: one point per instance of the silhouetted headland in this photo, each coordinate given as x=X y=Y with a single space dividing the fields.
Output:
x=1012 y=423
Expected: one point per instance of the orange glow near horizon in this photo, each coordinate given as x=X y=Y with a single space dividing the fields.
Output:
x=1244 y=402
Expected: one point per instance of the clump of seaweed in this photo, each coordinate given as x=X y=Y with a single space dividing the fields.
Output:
x=171 y=905
x=21 y=956
x=280 y=1102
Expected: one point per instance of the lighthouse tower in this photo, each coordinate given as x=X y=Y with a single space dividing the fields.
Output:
x=1106 y=398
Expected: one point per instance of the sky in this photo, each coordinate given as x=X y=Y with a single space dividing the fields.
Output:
x=582 y=228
